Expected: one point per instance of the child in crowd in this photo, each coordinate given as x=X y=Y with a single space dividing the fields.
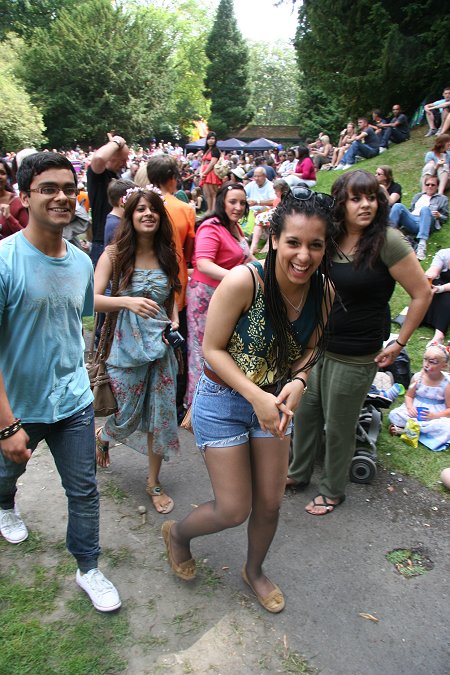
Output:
x=429 y=391
x=117 y=190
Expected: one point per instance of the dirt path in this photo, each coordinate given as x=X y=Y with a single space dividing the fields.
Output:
x=332 y=570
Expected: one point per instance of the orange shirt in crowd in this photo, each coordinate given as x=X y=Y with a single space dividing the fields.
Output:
x=183 y=220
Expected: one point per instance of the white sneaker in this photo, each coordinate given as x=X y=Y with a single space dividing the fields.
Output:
x=344 y=167
x=382 y=150
x=12 y=526
x=338 y=167
x=103 y=593
x=421 y=252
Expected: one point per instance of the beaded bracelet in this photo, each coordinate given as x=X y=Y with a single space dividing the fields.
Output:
x=13 y=428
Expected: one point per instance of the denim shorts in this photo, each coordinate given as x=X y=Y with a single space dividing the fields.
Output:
x=222 y=418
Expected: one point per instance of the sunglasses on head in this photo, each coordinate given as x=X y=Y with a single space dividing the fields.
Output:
x=304 y=194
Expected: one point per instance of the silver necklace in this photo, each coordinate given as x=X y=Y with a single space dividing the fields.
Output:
x=297 y=309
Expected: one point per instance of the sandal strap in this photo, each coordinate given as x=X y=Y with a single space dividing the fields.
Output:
x=101 y=445
x=155 y=490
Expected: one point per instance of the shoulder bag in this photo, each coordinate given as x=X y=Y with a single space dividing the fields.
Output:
x=104 y=401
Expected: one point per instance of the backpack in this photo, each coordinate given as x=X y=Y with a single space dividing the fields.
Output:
x=221 y=168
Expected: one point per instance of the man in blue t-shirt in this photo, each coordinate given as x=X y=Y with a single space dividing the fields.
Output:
x=46 y=286
x=366 y=144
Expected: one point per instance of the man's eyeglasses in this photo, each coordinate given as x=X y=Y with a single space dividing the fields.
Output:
x=303 y=194
x=430 y=184
x=52 y=190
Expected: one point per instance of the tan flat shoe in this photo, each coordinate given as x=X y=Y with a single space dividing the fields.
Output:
x=274 y=602
x=185 y=570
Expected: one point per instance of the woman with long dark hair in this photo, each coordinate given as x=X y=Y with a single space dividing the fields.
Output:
x=263 y=334
x=209 y=182
x=141 y=365
x=220 y=245
x=13 y=215
x=370 y=258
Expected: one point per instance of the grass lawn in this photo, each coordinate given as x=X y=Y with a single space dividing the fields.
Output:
x=38 y=635
x=406 y=160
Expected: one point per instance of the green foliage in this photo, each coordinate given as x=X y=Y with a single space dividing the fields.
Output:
x=187 y=67
x=22 y=124
x=99 y=68
x=362 y=55
x=274 y=83
x=23 y=16
x=226 y=79
x=136 y=68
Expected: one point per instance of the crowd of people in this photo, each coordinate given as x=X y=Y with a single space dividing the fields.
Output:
x=172 y=239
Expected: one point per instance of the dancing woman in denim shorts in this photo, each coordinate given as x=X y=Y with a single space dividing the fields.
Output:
x=263 y=335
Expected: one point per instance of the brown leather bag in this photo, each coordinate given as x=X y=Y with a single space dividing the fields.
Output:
x=104 y=400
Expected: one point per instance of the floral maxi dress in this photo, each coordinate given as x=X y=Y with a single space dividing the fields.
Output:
x=143 y=372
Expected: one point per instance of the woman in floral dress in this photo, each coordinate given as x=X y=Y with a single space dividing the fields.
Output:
x=142 y=366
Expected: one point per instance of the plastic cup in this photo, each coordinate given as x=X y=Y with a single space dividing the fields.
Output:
x=421 y=413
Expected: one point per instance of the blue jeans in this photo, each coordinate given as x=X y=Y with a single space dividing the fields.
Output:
x=358 y=148
x=392 y=134
x=72 y=444
x=419 y=225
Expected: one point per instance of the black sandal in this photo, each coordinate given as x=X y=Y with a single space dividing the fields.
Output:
x=327 y=505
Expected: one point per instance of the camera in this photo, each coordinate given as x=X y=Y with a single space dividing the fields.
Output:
x=174 y=338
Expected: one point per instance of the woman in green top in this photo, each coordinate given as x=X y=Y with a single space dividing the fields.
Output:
x=263 y=334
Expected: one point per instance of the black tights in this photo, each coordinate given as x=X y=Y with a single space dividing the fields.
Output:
x=246 y=479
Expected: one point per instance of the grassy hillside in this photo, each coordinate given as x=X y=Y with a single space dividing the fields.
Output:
x=406 y=161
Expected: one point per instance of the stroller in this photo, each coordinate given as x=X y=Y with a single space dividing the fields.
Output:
x=383 y=392
x=363 y=468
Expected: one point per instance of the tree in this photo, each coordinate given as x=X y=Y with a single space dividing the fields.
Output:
x=185 y=101
x=135 y=67
x=22 y=124
x=273 y=80
x=368 y=54
x=226 y=79
x=23 y=16
x=98 y=68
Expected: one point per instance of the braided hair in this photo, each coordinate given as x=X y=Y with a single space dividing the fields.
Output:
x=274 y=300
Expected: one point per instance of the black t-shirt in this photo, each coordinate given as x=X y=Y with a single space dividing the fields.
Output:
x=371 y=139
x=403 y=126
x=357 y=322
x=97 y=186
x=397 y=188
